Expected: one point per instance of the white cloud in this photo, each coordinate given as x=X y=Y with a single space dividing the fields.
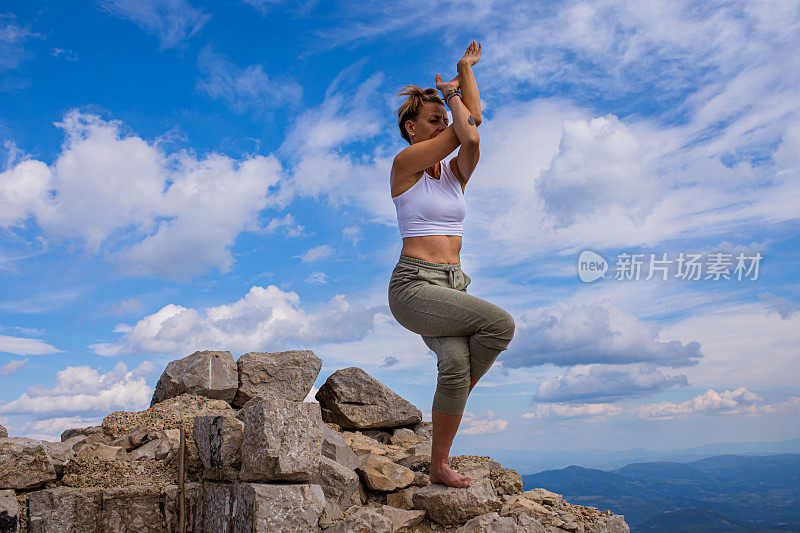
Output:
x=315 y=254
x=180 y=216
x=265 y=319
x=172 y=21
x=81 y=389
x=126 y=306
x=25 y=346
x=605 y=383
x=12 y=43
x=352 y=234
x=728 y=402
x=244 y=90
x=599 y=164
x=317 y=278
x=50 y=429
x=744 y=342
x=291 y=228
x=475 y=425
x=598 y=332
x=13 y=366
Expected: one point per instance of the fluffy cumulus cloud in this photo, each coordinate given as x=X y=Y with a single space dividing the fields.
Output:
x=82 y=389
x=152 y=213
x=265 y=319
x=599 y=332
x=599 y=164
x=728 y=402
x=172 y=21
x=472 y=424
x=244 y=90
x=605 y=383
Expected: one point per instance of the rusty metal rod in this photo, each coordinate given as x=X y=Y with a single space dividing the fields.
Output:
x=181 y=489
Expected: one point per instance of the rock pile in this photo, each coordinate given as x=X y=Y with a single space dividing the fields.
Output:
x=258 y=458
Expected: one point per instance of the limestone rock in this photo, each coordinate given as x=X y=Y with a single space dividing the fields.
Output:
x=3 y=432
x=9 y=512
x=173 y=413
x=282 y=440
x=417 y=456
x=73 y=432
x=218 y=506
x=383 y=474
x=363 y=446
x=60 y=454
x=402 y=519
x=101 y=452
x=219 y=443
x=288 y=375
x=205 y=373
x=424 y=430
x=405 y=437
x=354 y=399
x=24 y=463
x=64 y=509
x=260 y=507
x=364 y=520
x=339 y=483
x=334 y=447
x=403 y=499
x=193 y=509
x=154 y=449
x=451 y=506
x=520 y=504
x=494 y=523
x=135 y=508
x=543 y=496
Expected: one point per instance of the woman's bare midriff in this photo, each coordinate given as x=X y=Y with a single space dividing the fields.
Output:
x=433 y=248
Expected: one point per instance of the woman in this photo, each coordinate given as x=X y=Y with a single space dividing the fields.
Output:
x=427 y=290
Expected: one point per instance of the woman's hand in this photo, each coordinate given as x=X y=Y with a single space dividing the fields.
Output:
x=472 y=55
x=447 y=85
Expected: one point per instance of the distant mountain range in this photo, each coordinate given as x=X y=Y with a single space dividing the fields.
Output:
x=723 y=493
x=530 y=462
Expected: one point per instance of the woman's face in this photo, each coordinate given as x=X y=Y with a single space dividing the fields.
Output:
x=431 y=121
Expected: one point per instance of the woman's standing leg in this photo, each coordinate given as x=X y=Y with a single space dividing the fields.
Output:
x=452 y=388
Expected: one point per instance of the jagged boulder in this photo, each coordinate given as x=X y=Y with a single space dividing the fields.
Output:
x=173 y=413
x=334 y=447
x=282 y=440
x=402 y=519
x=363 y=520
x=24 y=463
x=77 y=432
x=354 y=399
x=219 y=443
x=288 y=375
x=3 y=432
x=451 y=506
x=260 y=507
x=206 y=373
x=382 y=474
x=340 y=484
x=494 y=523
x=9 y=512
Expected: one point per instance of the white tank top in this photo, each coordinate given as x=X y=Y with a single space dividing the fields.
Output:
x=432 y=207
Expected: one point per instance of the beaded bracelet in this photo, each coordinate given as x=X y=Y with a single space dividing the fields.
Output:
x=450 y=94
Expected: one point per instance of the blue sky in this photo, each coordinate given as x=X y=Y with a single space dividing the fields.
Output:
x=179 y=176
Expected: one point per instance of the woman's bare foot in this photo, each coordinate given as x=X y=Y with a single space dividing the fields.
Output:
x=442 y=473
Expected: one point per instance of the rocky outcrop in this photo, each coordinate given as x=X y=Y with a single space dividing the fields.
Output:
x=358 y=461
x=3 y=432
x=209 y=374
x=352 y=398
x=289 y=375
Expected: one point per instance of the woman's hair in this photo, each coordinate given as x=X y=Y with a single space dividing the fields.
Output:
x=412 y=106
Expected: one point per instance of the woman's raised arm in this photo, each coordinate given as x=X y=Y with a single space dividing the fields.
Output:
x=469 y=87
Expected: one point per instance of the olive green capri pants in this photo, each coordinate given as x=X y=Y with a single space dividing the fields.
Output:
x=465 y=332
